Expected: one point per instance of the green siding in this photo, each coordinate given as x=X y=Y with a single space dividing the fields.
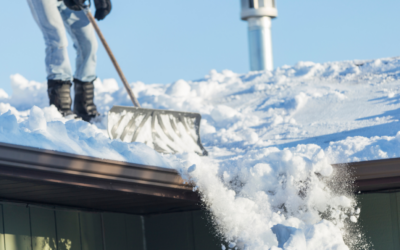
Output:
x=68 y=230
x=23 y=227
x=2 y=236
x=379 y=219
x=395 y=220
x=43 y=224
x=17 y=227
x=91 y=231
x=134 y=232
x=45 y=228
x=48 y=228
x=173 y=230
x=205 y=235
x=180 y=231
x=115 y=231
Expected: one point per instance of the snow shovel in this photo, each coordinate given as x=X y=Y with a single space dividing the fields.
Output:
x=165 y=131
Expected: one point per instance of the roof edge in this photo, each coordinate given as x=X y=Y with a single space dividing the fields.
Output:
x=48 y=161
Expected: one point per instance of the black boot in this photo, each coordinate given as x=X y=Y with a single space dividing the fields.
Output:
x=83 y=103
x=60 y=95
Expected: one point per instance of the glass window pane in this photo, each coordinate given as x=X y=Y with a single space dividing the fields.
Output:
x=251 y=4
x=261 y=3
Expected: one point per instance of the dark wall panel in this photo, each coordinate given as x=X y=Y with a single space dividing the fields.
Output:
x=181 y=231
x=379 y=219
x=170 y=231
x=68 y=230
x=43 y=225
x=54 y=228
x=206 y=236
x=91 y=231
x=134 y=232
x=17 y=227
x=115 y=231
x=2 y=239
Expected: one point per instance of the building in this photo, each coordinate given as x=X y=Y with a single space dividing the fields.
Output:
x=52 y=200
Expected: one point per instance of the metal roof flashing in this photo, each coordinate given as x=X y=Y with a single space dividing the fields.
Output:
x=375 y=175
x=36 y=174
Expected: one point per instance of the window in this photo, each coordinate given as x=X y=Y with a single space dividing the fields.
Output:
x=251 y=4
x=261 y=3
x=273 y=3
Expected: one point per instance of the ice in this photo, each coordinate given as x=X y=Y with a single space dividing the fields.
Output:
x=271 y=137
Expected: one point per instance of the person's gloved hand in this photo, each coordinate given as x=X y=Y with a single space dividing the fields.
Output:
x=103 y=8
x=74 y=4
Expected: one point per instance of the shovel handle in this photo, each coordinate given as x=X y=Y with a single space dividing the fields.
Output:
x=112 y=57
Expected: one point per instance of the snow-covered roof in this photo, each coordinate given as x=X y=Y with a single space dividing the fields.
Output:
x=267 y=134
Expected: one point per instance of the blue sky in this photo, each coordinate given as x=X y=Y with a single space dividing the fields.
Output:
x=162 y=41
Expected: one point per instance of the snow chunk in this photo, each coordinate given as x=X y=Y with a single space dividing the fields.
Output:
x=37 y=120
x=316 y=235
x=179 y=88
x=223 y=114
x=8 y=124
x=27 y=93
x=300 y=101
x=108 y=85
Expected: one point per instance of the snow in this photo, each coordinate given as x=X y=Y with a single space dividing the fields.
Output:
x=179 y=88
x=271 y=137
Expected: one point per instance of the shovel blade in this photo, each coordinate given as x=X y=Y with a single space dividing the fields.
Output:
x=163 y=130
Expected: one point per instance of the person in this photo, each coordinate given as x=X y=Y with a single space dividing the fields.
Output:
x=55 y=18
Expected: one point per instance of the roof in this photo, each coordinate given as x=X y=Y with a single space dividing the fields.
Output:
x=376 y=175
x=45 y=176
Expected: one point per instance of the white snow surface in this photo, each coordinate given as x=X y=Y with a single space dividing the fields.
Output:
x=271 y=137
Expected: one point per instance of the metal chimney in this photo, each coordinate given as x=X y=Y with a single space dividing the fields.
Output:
x=258 y=14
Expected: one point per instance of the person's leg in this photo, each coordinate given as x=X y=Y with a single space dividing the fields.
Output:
x=48 y=18
x=59 y=74
x=85 y=43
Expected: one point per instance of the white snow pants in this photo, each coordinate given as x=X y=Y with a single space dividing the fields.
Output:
x=54 y=19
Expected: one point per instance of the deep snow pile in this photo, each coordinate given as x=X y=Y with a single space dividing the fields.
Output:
x=272 y=136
